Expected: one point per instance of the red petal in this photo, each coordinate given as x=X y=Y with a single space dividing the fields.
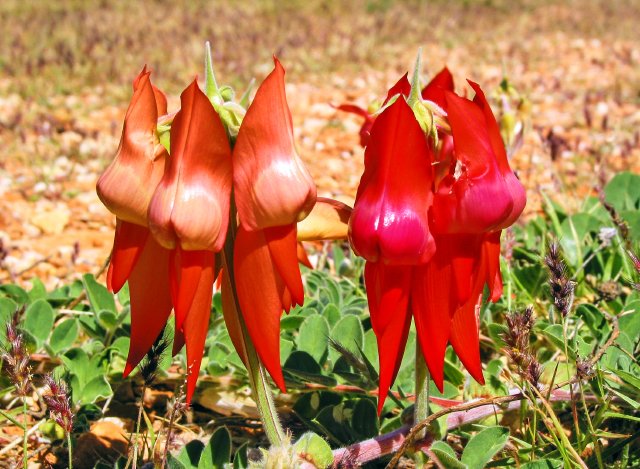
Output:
x=283 y=248
x=389 y=222
x=518 y=193
x=190 y=206
x=388 y=295
x=128 y=242
x=178 y=341
x=434 y=91
x=402 y=87
x=196 y=324
x=434 y=302
x=272 y=187
x=491 y=251
x=150 y=300
x=254 y=272
x=465 y=339
x=479 y=200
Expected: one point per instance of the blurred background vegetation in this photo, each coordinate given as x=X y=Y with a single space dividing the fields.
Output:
x=65 y=45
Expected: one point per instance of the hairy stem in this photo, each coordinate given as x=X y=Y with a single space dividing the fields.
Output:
x=421 y=406
x=257 y=375
x=69 y=450
x=134 y=463
x=25 y=436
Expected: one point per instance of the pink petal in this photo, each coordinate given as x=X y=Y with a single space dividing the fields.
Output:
x=389 y=222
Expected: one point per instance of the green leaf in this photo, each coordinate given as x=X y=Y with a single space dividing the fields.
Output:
x=543 y=464
x=121 y=346
x=95 y=389
x=446 y=456
x=38 y=290
x=347 y=332
x=217 y=453
x=483 y=446
x=63 y=335
x=16 y=293
x=174 y=463
x=313 y=337
x=241 y=459
x=623 y=191
x=7 y=308
x=190 y=454
x=365 y=419
x=38 y=320
x=99 y=296
x=107 y=319
x=628 y=378
x=315 y=449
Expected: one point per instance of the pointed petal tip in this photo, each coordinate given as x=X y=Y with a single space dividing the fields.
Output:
x=128 y=368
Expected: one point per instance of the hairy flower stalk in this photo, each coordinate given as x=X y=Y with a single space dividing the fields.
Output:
x=58 y=401
x=149 y=367
x=562 y=289
x=15 y=363
x=517 y=340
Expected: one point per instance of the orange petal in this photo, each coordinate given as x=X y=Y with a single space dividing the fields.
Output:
x=126 y=186
x=302 y=256
x=190 y=266
x=128 y=242
x=272 y=185
x=283 y=248
x=232 y=317
x=254 y=272
x=388 y=295
x=196 y=323
x=150 y=300
x=328 y=220
x=190 y=206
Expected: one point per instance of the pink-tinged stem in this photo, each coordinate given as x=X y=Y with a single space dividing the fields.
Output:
x=382 y=445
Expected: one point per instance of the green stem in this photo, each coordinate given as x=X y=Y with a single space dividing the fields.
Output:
x=257 y=376
x=592 y=431
x=574 y=410
x=421 y=406
x=25 y=440
x=134 y=463
x=70 y=450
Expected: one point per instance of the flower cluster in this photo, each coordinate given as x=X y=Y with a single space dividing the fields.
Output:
x=57 y=400
x=436 y=193
x=211 y=185
x=15 y=357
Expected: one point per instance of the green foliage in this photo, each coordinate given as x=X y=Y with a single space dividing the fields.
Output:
x=329 y=351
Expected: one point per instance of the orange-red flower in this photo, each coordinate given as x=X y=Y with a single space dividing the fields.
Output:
x=273 y=191
x=431 y=238
x=174 y=211
x=126 y=188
